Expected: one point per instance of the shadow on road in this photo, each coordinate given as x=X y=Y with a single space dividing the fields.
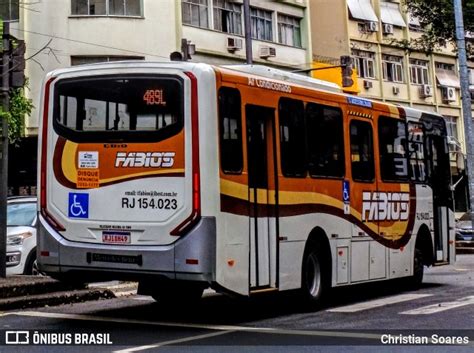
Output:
x=225 y=310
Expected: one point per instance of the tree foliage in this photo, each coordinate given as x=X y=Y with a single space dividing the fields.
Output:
x=437 y=20
x=20 y=106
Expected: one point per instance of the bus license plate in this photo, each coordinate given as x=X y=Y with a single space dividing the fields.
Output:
x=112 y=237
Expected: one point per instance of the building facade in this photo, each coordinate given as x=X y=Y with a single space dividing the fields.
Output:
x=371 y=31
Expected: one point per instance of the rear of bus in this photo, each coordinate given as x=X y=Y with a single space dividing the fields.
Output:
x=119 y=188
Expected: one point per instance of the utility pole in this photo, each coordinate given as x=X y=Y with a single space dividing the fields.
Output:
x=248 y=33
x=466 y=100
x=4 y=152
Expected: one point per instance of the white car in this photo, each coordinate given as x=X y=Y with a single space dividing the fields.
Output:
x=21 y=236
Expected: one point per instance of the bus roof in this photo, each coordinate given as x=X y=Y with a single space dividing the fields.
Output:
x=285 y=77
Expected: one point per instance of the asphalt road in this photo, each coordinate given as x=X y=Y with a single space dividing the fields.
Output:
x=353 y=320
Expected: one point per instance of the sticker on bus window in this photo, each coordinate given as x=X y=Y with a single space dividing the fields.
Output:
x=88 y=160
x=78 y=206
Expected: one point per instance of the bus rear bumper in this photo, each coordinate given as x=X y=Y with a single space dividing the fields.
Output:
x=191 y=257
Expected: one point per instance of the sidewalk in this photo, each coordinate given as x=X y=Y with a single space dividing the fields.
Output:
x=18 y=292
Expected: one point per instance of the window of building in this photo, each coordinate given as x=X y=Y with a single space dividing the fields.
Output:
x=106 y=7
x=414 y=23
x=227 y=16
x=392 y=68
x=195 y=13
x=362 y=151
x=446 y=75
x=82 y=60
x=393 y=149
x=416 y=153
x=364 y=63
x=444 y=66
x=324 y=130
x=292 y=137
x=10 y=10
x=452 y=131
x=289 y=32
x=261 y=24
x=470 y=73
x=230 y=120
x=419 y=72
x=451 y=126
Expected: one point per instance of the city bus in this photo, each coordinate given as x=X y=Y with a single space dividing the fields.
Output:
x=244 y=179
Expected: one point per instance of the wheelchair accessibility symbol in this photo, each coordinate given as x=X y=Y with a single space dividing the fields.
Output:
x=346 y=191
x=78 y=205
x=346 y=196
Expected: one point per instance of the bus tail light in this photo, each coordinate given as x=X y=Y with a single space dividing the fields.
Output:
x=44 y=158
x=196 y=179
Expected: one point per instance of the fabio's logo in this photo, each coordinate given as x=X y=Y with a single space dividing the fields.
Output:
x=385 y=206
x=144 y=159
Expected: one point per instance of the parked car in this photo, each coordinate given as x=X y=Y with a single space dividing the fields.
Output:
x=464 y=232
x=21 y=236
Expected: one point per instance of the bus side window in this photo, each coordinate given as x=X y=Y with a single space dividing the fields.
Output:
x=325 y=141
x=362 y=151
x=393 y=149
x=416 y=140
x=230 y=125
x=292 y=137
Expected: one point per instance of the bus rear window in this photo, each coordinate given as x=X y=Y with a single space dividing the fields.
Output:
x=118 y=108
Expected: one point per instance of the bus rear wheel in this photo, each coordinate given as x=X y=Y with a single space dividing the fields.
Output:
x=314 y=283
x=418 y=269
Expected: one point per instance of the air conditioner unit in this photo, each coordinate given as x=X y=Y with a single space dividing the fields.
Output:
x=234 y=43
x=387 y=28
x=266 y=52
x=371 y=27
x=396 y=90
x=426 y=91
x=367 y=84
x=449 y=94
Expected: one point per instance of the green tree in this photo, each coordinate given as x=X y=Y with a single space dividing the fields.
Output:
x=437 y=20
x=20 y=106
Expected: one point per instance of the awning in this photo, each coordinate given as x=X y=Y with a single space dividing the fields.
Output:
x=362 y=10
x=390 y=13
x=447 y=78
x=413 y=20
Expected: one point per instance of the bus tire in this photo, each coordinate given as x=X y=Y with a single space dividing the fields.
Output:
x=314 y=277
x=180 y=292
x=418 y=269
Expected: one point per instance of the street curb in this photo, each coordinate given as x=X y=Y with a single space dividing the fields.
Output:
x=55 y=298
x=33 y=287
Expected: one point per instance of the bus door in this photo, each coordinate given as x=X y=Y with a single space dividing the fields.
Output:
x=363 y=195
x=261 y=151
x=439 y=168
